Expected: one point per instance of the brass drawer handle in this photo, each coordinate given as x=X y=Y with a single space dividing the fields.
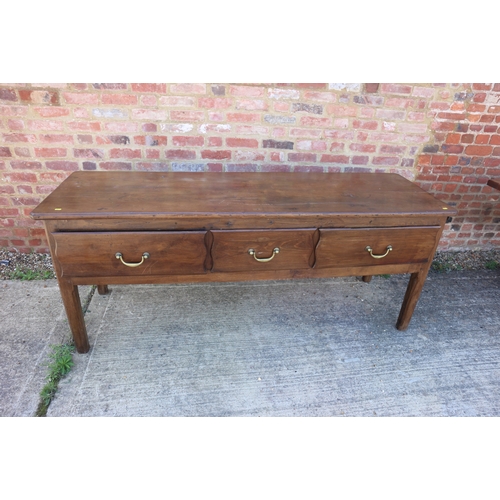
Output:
x=252 y=252
x=369 y=249
x=145 y=256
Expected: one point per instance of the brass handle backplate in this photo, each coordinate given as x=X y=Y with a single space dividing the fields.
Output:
x=252 y=252
x=145 y=256
x=388 y=249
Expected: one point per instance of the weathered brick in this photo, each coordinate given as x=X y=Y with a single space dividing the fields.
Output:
x=52 y=111
x=153 y=114
x=8 y=94
x=393 y=149
x=311 y=145
x=338 y=110
x=214 y=102
x=252 y=104
x=385 y=160
x=62 y=165
x=482 y=139
x=482 y=86
x=160 y=88
x=110 y=86
x=395 y=88
x=234 y=142
x=352 y=87
x=149 y=100
x=241 y=167
x=60 y=138
x=180 y=154
x=495 y=139
x=246 y=91
x=478 y=150
x=301 y=132
x=88 y=153
x=125 y=153
x=334 y=159
x=216 y=155
x=320 y=96
x=271 y=143
x=187 y=116
x=283 y=93
x=214 y=142
x=5 y=152
x=390 y=114
x=452 y=148
x=312 y=121
x=308 y=108
x=363 y=148
x=89 y=165
x=185 y=140
x=40 y=96
x=278 y=119
x=80 y=98
x=177 y=101
x=188 y=167
x=19 y=138
x=243 y=117
x=26 y=165
x=219 y=89
x=124 y=99
x=360 y=160
x=369 y=125
x=91 y=126
x=115 y=165
x=423 y=92
x=371 y=88
x=152 y=166
x=302 y=157
x=50 y=152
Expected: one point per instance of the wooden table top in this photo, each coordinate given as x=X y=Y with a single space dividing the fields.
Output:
x=164 y=194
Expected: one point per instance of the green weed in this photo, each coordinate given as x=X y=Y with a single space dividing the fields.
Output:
x=61 y=362
x=29 y=275
x=491 y=264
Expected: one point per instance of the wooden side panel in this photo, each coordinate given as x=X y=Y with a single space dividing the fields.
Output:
x=230 y=250
x=93 y=253
x=347 y=247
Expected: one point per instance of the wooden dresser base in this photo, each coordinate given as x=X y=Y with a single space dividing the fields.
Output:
x=109 y=228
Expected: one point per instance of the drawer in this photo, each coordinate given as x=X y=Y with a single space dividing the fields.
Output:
x=95 y=253
x=266 y=250
x=348 y=247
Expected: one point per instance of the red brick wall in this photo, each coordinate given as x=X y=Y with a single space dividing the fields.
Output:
x=442 y=136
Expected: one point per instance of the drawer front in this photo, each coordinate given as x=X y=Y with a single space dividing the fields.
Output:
x=348 y=247
x=234 y=251
x=94 y=253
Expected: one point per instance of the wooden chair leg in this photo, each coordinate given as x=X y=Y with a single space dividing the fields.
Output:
x=367 y=279
x=102 y=289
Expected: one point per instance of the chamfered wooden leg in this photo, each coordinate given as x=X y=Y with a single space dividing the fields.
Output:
x=415 y=286
x=102 y=289
x=72 y=304
x=367 y=279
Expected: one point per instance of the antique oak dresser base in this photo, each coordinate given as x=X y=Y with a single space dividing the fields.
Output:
x=145 y=228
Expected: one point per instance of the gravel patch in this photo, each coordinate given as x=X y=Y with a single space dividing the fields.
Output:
x=29 y=266
x=25 y=266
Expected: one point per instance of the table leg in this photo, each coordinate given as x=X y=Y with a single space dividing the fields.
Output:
x=412 y=295
x=73 y=306
x=367 y=279
x=102 y=289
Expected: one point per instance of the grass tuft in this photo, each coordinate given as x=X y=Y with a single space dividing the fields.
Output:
x=29 y=275
x=61 y=362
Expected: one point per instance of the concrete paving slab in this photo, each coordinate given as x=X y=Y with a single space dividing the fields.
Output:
x=290 y=348
x=32 y=318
